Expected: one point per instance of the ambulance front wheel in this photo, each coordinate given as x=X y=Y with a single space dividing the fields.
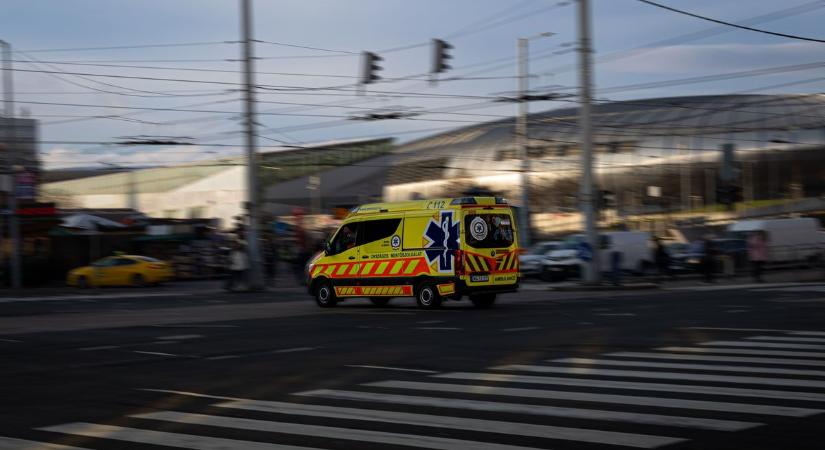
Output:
x=483 y=300
x=325 y=295
x=427 y=296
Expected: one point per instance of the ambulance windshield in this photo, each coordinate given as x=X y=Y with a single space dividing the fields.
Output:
x=488 y=230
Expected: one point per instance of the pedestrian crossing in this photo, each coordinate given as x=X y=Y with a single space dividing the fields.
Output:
x=648 y=399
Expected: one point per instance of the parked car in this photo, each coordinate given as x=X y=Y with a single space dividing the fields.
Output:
x=633 y=245
x=121 y=270
x=736 y=249
x=530 y=262
x=685 y=257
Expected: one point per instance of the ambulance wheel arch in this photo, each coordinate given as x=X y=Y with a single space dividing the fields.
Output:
x=324 y=292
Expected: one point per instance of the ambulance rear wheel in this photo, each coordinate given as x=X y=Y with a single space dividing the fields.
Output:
x=483 y=300
x=325 y=295
x=427 y=296
x=380 y=301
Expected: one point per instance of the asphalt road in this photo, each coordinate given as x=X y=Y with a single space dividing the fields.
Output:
x=693 y=368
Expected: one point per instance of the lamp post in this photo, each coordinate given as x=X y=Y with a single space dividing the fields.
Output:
x=13 y=221
x=522 y=140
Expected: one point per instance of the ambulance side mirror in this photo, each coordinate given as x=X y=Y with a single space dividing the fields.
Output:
x=326 y=247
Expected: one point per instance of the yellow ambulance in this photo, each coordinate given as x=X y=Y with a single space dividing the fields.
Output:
x=428 y=249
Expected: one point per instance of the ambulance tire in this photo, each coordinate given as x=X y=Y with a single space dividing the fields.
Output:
x=380 y=301
x=325 y=294
x=427 y=297
x=483 y=300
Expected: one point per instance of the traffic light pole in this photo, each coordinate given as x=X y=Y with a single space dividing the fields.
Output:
x=253 y=254
x=592 y=275
x=11 y=151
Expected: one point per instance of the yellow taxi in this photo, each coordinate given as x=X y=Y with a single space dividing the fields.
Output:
x=121 y=270
x=431 y=250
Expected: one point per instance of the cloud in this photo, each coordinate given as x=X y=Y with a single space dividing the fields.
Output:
x=681 y=59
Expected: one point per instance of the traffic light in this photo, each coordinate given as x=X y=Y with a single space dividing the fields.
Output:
x=606 y=199
x=370 y=67
x=440 y=56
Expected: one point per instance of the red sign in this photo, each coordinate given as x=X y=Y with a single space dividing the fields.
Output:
x=37 y=211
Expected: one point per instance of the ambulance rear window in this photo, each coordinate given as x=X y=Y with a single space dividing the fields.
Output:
x=488 y=230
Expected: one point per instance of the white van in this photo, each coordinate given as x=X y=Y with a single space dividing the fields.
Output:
x=797 y=239
x=635 y=247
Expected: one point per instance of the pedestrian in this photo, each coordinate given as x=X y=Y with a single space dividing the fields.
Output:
x=616 y=267
x=708 y=259
x=662 y=259
x=757 y=254
x=237 y=266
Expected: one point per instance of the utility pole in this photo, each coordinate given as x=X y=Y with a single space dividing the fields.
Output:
x=522 y=138
x=685 y=177
x=255 y=277
x=592 y=275
x=12 y=150
x=522 y=141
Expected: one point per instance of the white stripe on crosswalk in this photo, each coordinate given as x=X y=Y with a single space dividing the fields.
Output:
x=808 y=333
x=460 y=423
x=793 y=382
x=660 y=402
x=786 y=339
x=370 y=436
x=7 y=443
x=743 y=351
x=543 y=410
x=162 y=438
x=636 y=386
x=733 y=359
x=710 y=367
x=764 y=345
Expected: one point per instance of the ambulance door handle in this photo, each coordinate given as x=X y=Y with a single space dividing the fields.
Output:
x=365 y=256
x=351 y=257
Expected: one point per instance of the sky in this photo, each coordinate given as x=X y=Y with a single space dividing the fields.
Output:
x=306 y=95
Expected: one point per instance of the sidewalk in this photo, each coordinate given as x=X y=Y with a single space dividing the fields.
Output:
x=687 y=281
x=174 y=288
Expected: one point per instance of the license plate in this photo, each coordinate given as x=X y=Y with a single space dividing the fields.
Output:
x=478 y=278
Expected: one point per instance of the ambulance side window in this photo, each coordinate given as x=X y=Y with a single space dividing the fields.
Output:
x=375 y=230
x=345 y=239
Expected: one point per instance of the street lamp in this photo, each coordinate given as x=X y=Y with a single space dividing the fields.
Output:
x=521 y=132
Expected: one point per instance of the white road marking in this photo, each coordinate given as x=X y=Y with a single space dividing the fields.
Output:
x=764 y=344
x=7 y=443
x=542 y=410
x=189 y=394
x=154 y=353
x=438 y=328
x=710 y=367
x=521 y=329
x=460 y=423
x=370 y=436
x=95 y=297
x=737 y=311
x=162 y=438
x=808 y=333
x=663 y=375
x=761 y=330
x=196 y=326
x=11 y=340
x=425 y=322
x=742 y=351
x=400 y=369
x=659 y=402
x=636 y=386
x=180 y=337
x=616 y=314
x=100 y=347
x=271 y=352
x=786 y=339
x=733 y=359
